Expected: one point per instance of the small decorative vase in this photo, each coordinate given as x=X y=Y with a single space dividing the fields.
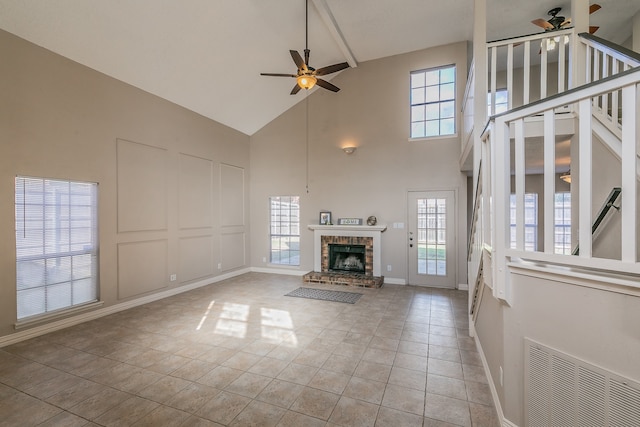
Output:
x=372 y=220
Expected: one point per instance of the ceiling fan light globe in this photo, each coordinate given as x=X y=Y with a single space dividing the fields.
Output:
x=306 y=82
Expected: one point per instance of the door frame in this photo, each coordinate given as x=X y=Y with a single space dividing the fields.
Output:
x=456 y=201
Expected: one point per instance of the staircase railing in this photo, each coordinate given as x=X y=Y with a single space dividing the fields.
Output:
x=605 y=59
x=506 y=135
x=539 y=61
x=467 y=117
x=602 y=213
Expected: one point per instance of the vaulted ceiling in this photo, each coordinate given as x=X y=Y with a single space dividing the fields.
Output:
x=206 y=55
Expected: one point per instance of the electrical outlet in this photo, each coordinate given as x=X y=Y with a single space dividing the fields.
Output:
x=219 y=266
x=389 y=267
x=264 y=259
x=173 y=278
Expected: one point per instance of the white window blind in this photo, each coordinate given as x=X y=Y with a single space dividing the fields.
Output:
x=56 y=245
x=285 y=230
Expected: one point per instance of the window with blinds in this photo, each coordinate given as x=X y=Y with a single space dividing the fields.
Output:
x=285 y=230
x=56 y=245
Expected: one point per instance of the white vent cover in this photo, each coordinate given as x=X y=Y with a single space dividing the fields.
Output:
x=561 y=390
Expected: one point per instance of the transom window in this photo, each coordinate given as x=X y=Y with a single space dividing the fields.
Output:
x=56 y=245
x=433 y=109
x=285 y=230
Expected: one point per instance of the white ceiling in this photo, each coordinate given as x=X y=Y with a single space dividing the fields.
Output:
x=206 y=55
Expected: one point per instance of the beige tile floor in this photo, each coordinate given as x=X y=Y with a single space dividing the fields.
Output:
x=241 y=353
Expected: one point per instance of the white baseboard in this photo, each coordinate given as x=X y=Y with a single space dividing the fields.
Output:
x=101 y=312
x=393 y=281
x=278 y=271
x=494 y=393
x=463 y=286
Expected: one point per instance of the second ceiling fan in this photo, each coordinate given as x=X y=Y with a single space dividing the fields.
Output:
x=307 y=76
x=557 y=22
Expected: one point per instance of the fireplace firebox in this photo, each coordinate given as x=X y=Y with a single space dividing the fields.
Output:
x=347 y=258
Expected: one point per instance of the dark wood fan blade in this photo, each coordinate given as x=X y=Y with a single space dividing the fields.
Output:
x=295 y=89
x=593 y=29
x=566 y=23
x=298 y=60
x=278 y=75
x=327 y=85
x=594 y=8
x=542 y=23
x=331 y=69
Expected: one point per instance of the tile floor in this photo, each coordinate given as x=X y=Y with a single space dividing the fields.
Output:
x=240 y=353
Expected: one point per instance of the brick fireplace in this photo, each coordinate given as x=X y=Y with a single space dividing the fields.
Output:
x=351 y=235
x=367 y=242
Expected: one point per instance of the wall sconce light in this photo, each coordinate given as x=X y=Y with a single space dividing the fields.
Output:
x=349 y=150
x=566 y=177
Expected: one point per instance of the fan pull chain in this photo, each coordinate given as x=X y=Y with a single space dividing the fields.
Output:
x=306 y=99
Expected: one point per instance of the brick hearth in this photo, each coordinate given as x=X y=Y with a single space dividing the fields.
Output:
x=347 y=279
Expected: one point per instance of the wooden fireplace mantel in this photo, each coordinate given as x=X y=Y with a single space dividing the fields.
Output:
x=379 y=228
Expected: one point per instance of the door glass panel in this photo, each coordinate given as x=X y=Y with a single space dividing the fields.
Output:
x=432 y=236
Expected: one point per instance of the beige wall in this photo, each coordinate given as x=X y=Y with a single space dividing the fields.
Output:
x=161 y=169
x=371 y=112
x=599 y=327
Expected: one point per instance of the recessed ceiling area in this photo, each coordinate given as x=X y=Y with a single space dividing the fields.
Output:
x=207 y=56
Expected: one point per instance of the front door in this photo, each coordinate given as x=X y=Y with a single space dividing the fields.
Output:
x=431 y=238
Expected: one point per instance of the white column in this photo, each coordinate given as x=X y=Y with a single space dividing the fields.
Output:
x=635 y=32
x=480 y=86
x=580 y=21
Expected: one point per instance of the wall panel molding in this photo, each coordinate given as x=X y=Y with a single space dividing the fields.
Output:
x=195 y=255
x=195 y=192
x=232 y=196
x=142 y=267
x=141 y=186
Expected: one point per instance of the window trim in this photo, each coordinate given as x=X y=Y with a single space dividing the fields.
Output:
x=565 y=227
x=93 y=251
x=455 y=104
x=534 y=226
x=271 y=235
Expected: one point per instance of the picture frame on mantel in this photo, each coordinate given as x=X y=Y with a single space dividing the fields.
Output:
x=325 y=218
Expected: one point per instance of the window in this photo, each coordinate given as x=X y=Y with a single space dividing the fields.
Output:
x=285 y=230
x=562 y=224
x=432 y=236
x=433 y=102
x=502 y=102
x=530 y=221
x=56 y=245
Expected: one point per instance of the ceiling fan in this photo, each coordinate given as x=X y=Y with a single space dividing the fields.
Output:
x=307 y=76
x=557 y=22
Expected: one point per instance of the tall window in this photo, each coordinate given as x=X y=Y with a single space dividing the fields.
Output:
x=562 y=224
x=56 y=245
x=433 y=102
x=530 y=221
x=285 y=230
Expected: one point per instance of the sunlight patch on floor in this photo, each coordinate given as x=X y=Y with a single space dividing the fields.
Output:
x=206 y=314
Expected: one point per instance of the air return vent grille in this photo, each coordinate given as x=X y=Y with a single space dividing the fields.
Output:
x=561 y=390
